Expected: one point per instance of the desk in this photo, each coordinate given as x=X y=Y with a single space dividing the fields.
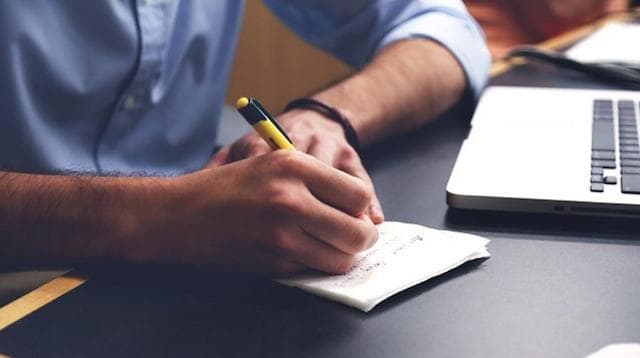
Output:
x=555 y=286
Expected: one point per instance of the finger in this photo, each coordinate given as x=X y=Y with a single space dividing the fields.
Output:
x=344 y=232
x=220 y=158
x=353 y=165
x=318 y=255
x=375 y=211
x=334 y=187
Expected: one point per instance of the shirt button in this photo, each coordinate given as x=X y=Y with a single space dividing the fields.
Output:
x=129 y=103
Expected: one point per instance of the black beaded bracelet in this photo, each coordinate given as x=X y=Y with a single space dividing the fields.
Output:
x=330 y=113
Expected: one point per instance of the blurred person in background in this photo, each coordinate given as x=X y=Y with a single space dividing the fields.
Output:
x=510 y=23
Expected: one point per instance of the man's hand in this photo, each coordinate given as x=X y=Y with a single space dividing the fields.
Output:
x=276 y=214
x=405 y=85
x=314 y=134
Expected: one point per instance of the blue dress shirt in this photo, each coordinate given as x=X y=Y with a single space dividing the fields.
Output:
x=136 y=86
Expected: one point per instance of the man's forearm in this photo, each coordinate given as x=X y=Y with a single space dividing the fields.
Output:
x=67 y=219
x=405 y=85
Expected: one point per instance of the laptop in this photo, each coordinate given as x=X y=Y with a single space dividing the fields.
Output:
x=548 y=150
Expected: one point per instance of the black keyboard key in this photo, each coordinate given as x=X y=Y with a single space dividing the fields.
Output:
x=627 y=128
x=630 y=155
x=631 y=183
x=597 y=178
x=602 y=104
x=633 y=132
x=630 y=170
x=597 y=187
x=629 y=142
x=603 y=155
x=630 y=163
x=610 y=180
x=626 y=105
x=625 y=135
x=629 y=148
x=609 y=164
x=597 y=171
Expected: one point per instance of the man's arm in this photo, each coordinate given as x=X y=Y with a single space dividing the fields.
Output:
x=272 y=215
x=66 y=219
x=406 y=84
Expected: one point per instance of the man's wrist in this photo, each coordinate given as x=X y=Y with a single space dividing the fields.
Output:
x=143 y=228
x=328 y=112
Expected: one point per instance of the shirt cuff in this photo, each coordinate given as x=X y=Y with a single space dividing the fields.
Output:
x=459 y=34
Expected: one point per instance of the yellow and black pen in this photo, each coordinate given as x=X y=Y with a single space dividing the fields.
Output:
x=263 y=123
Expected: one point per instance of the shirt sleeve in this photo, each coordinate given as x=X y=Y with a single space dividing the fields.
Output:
x=354 y=30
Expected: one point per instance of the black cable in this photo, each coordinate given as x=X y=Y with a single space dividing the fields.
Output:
x=621 y=74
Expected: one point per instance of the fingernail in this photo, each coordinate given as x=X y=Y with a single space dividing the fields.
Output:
x=376 y=214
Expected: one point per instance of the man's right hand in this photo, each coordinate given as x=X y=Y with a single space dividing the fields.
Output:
x=275 y=214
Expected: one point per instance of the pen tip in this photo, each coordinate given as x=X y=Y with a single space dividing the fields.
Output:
x=242 y=102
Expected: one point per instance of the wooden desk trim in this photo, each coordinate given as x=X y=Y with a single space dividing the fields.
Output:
x=40 y=297
x=60 y=286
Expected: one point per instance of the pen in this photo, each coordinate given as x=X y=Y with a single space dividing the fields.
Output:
x=263 y=123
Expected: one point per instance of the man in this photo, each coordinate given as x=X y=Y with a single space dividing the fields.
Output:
x=109 y=120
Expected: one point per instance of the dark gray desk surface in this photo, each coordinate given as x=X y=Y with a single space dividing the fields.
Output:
x=555 y=286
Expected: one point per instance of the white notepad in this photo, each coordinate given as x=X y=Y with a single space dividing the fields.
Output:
x=405 y=255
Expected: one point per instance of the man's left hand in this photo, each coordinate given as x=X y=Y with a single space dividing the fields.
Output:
x=314 y=134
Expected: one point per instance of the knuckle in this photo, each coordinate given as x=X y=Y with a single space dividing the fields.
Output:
x=341 y=265
x=298 y=138
x=286 y=203
x=359 y=244
x=363 y=194
x=361 y=240
x=288 y=161
x=372 y=236
x=348 y=154
x=375 y=234
x=317 y=138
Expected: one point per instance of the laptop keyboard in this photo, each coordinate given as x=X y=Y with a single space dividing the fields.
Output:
x=604 y=157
